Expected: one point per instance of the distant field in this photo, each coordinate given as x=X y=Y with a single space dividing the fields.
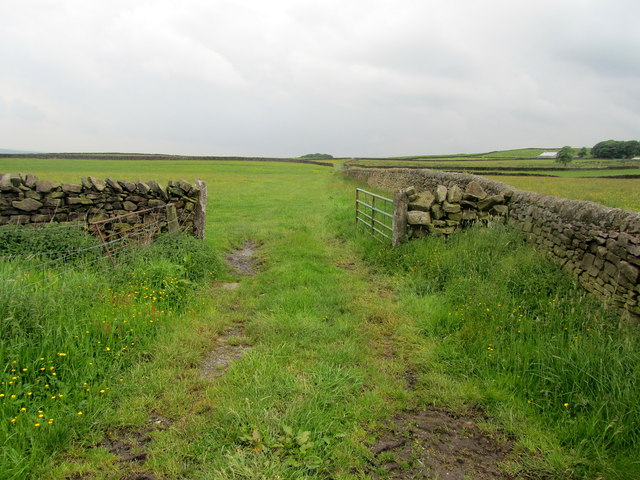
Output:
x=470 y=163
x=612 y=192
x=582 y=179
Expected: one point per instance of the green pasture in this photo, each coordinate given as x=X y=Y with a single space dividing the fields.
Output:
x=471 y=162
x=612 y=192
x=333 y=322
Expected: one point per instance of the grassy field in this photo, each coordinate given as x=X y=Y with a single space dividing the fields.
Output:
x=339 y=334
x=612 y=192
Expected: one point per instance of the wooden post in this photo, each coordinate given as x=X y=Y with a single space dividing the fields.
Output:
x=172 y=219
x=400 y=208
x=200 y=214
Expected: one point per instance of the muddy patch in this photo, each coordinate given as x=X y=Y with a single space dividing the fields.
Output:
x=230 y=346
x=438 y=444
x=242 y=259
x=129 y=445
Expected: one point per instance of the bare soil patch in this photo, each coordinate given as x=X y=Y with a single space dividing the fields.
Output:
x=242 y=259
x=230 y=346
x=440 y=445
x=130 y=445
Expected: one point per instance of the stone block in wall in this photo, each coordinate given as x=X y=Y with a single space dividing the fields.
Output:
x=5 y=183
x=441 y=193
x=615 y=247
x=27 y=205
x=71 y=188
x=186 y=187
x=53 y=202
x=142 y=188
x=437 y=212
x=500 y=210
x=474 y=191
x=418 y=217
x=154 y=203
x=45 y=186
x=129 y=206
x=41 y=218
x=98 y=184
x=469 y=216
x=128 y=186
x=488 y=202
x=29 y=181
x=454 y=194
x=19 y=219
x=450 y=208
x=423 y=203
x=115 y=186
x=32 y=194
x=79 y=201
x=628 y=274
x=157 y=188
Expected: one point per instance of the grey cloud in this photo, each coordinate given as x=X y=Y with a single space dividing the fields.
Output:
x=290 y=76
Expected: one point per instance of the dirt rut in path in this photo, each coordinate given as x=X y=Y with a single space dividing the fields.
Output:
x=229 y=347
x=242 y=260
x=438 y=444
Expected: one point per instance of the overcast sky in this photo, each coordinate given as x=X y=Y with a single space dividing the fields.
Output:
x=290 y=77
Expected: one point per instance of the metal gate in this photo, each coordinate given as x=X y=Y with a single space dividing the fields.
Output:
x=377 y=214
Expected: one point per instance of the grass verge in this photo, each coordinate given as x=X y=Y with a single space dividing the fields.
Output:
x=512 y=327
x=72 y=325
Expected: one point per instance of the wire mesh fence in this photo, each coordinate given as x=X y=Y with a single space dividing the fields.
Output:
x=37 y=256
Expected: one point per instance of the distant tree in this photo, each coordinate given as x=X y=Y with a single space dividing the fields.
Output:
x=616 y=149
x=317 y=156
x=565 y=155
x=583 y=152
x=631 y=148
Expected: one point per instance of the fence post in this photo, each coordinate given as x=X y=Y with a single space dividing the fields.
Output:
x=172 y=218
x=200 y=214
x=400 y=207
x=373 y=215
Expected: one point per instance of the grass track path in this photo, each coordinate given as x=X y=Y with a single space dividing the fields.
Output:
x=322 y=360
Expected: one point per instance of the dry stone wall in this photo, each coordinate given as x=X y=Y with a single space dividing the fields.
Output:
x=598 y=245
x=446 y=210
x=25 y=199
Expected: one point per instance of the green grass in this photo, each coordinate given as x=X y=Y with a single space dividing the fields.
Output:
x=506 y=163
x=334 y=321
x=612 y=192
x=71 y=326
x=532 y=342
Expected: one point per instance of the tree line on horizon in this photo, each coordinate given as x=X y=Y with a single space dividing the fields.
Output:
x=616 y=149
